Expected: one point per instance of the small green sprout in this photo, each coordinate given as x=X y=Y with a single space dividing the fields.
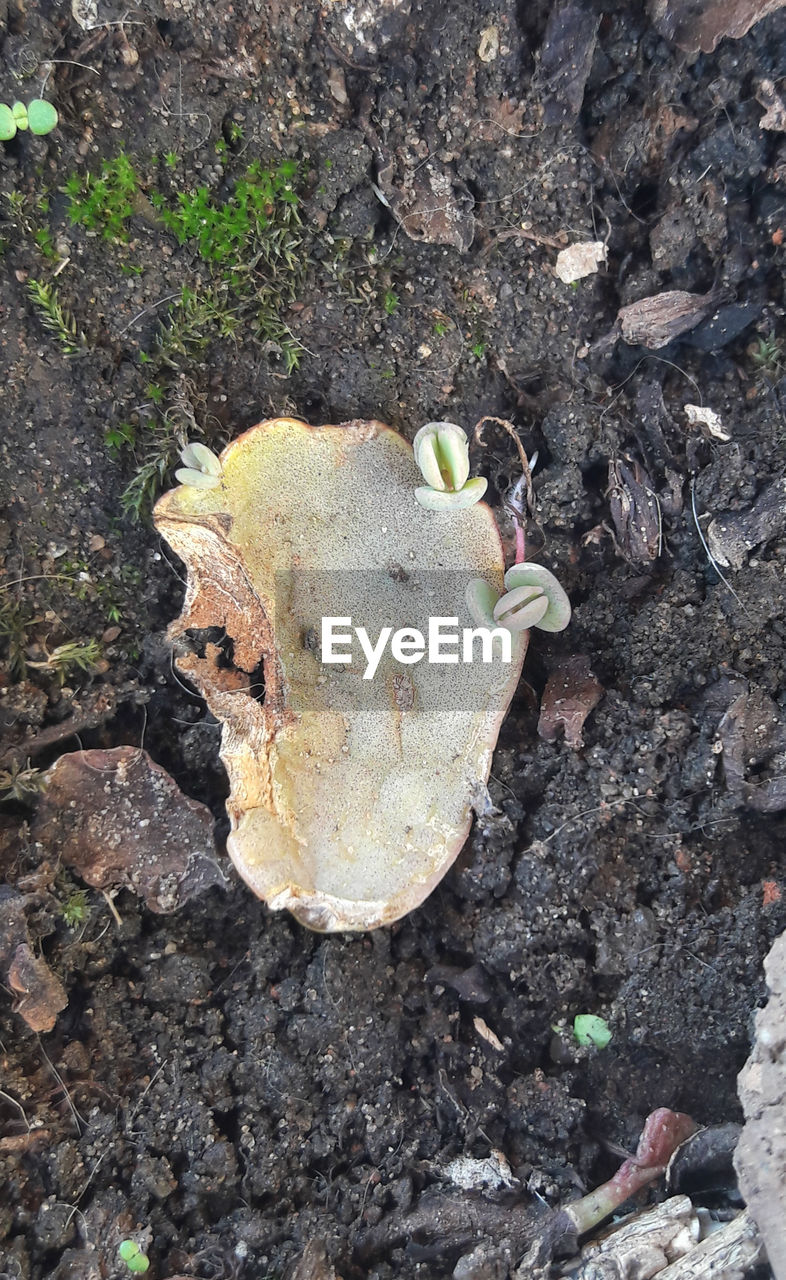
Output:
x=20 y=782
x=38 y=116
x=75 y=909
x=390 y=302
x=533 y=598
x=589 y=1029
x=170 y=159
x=478 y=350
x=133 y=1256
x=71 y=656
x=56 y=318
x=442 y=453
x=202 y=469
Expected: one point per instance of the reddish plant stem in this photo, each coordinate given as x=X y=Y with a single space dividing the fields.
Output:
x=663 y=1132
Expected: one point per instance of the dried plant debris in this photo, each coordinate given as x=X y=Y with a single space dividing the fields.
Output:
x=752 y=737
x=705 y=1162
x=119 y=821
x=674 y=1242
x=580 y=260
x=655 y=321
x=700 y=415
x=502 y=1228
x=566 y=60
x=644 y=1244
x=429 y=202
x=635 y=512
x=774 y=117
x=313 y=1264
x=697 y=26
x=40 y=995
x=571 y=693
x=732 y=535
x=350 y=794
x=760 y=1158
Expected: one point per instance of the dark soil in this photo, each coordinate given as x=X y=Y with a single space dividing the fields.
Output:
x=224 y=1086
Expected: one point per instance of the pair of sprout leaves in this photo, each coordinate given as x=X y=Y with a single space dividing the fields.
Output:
x=533 y=596
x=38 y=116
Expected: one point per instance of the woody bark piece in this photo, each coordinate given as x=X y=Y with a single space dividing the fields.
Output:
x=760 y=1158
x=571 y=693
x=120 y=821
x=697 y=26
x=655 y=321
x=40 y=994
x=730 y=1253
x=732 y=535
x=566 y=60
x=350 y=797
x=643 y=1244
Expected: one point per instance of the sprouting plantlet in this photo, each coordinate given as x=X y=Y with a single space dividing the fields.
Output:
x=75 y=909
x=202 y=469
x=589 y=1029
x=663 y=1132
x=38 y=116
x=56 y=318
x=534 y=598
x=71 y=656
x=390 y=302
x=767 y=355
x=20 y=782
x=133 y=1256
x=442 y=453
x=105 y=203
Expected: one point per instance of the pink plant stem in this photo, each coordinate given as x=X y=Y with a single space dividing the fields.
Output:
x=663 y=1132
x=520 y=544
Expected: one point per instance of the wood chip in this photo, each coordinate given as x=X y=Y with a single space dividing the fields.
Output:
x=580 y=260
x=699 y=27
x=703 y=416
x=571 y=693
x=41 y=995
x=485 y=1033
x=119 y=821
x=774 y=117
x=655 y=321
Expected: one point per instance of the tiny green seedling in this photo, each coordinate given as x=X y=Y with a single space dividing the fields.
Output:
x=589 y=1029
x=442 y=453
x=38 y=116
x=56 y=318
x=75 y=909
x=20 y=782
x=133 y=1256
x=201 y=469
x=534 y=598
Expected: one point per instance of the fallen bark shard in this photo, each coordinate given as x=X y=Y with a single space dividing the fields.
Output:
x=571 y=693
x=655 y=321
x=697 y=26
x=350 y=798
x=40 y=994
x=119 y=821
x=760 y=1158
